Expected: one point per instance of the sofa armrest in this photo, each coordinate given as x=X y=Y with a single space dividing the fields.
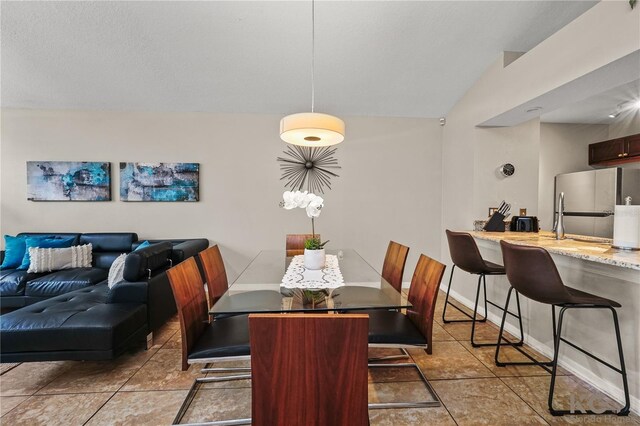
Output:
x=187 y=249
x=129 y=292
x=140 y=264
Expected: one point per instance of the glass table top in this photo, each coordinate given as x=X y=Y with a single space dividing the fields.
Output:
x=259 y=289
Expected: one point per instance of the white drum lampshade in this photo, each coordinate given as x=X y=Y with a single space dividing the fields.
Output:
x=312 y=129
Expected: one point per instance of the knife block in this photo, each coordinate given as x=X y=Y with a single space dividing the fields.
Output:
x=495 y=223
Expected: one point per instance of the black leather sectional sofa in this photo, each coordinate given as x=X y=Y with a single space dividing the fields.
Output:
x=73 y=315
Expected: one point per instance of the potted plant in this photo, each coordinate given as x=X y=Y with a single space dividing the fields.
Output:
x=314 y=254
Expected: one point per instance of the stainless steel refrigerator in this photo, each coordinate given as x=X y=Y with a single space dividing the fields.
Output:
x=590 y=198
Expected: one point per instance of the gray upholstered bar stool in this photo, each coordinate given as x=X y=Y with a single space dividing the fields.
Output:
x=533 y=273
x=466 y=256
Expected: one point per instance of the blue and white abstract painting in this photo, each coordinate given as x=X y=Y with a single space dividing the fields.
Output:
x=68 y=181
x=159 y=181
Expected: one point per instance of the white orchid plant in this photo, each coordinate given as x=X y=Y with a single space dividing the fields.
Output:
x=313 y=205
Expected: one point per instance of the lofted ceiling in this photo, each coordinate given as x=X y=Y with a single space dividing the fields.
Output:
x=384 y=58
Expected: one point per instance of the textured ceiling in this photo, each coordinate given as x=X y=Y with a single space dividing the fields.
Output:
x=393 y=58
x=621 y=100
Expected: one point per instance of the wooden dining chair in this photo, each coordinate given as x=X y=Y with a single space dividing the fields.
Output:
x=394 y=262
x=215 y=274
x=309 y=369
x=295 y=243
x=203 y=341
x=393 y=329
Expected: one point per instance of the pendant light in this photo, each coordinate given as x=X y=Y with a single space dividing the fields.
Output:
x=312 y=128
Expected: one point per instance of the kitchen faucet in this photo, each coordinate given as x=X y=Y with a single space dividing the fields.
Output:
x=558 y=227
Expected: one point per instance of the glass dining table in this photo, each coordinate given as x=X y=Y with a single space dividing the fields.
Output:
x=260 y=288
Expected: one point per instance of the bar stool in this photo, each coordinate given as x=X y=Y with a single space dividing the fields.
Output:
x=532 y=272
x=466 y=256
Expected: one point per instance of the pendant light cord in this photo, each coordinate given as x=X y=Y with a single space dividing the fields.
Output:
x=313 y=53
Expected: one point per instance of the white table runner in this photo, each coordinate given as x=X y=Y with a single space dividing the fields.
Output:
x=297 y=276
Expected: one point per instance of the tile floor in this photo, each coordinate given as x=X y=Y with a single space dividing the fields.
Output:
x=147 y=388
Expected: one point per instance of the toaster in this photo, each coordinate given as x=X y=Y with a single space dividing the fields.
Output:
x=524 y=224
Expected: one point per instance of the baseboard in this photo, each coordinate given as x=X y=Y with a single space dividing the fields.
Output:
x=614 y=392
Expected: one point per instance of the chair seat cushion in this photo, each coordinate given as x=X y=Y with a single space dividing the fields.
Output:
x=581 y=297
x=392 y=327
x=64 y=281
x=223 y=338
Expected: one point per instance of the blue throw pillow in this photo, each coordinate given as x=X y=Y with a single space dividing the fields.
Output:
x=43 y=242
x=14 y=248
x=143 y=245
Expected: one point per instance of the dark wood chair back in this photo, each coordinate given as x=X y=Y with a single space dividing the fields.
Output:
x=309 y=369
x=214 y=273
x=423 y=294
x=295 y=243
x=394 y=262
x=188 y=290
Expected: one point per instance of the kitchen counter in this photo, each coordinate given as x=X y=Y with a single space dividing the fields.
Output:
x=593 y=249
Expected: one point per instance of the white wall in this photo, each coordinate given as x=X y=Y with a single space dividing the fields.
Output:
x=564 y=148
x=389 y=185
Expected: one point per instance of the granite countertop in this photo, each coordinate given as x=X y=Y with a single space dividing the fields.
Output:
x=582 y=247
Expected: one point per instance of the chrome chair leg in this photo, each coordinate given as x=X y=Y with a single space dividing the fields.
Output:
x=404 y=355
x=434 y=402
x=196 y=386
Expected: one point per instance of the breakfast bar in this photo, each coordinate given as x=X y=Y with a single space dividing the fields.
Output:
x=589 y=264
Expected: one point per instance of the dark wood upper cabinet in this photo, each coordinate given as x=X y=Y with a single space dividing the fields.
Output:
x=615 y=151
x=633 y=146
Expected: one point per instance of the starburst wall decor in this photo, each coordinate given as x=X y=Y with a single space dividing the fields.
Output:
x=308 y=168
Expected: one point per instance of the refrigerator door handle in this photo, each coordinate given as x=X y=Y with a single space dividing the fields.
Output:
x=605 y=213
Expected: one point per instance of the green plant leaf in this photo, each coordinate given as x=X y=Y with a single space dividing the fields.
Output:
x=632 y=3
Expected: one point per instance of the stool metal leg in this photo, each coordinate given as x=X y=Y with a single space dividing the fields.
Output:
x=624 y=411
x=505 y=312
x=446 y=303
x=517 y=345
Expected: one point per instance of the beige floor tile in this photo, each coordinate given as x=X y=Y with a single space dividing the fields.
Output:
x=72 y=409
x=98 y=376
x=508 y=354
x=484 y=402
x=410 y=417
x=568 y=392
x=164 y=334
x=174 y=342
x=484 y=332
x=29 y=377
x=398 y=392
x=219 y=404
x=7 y=366
x=8 y=403
x=450 y=360
x=140 y=408
x=163 y=372
x=440 y=334
x=393 y=374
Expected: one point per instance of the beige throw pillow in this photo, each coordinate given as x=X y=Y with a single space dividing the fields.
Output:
x=55 y=259
x=116 y=272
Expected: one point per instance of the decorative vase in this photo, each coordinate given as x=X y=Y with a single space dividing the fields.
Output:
x=314 y=259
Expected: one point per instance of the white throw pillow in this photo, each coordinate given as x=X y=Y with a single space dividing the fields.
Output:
x=55 y=259
x=116 y=272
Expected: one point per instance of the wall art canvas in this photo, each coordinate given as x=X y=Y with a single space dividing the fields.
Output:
x=159 y=181
x=68 y=181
